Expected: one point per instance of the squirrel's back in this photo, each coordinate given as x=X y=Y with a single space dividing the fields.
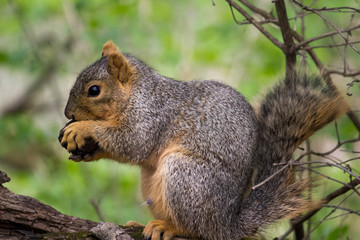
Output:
x=207 y=117
x=217 y=120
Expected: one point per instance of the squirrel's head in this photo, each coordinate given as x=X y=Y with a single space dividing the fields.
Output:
x=102 y=89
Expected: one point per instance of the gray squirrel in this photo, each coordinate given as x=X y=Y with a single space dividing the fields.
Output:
x=200 y=145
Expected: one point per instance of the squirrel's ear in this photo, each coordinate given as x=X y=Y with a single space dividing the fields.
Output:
x=108 y=48
x=120 y=68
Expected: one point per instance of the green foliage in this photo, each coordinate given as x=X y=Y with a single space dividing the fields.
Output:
x=37 y=170
x=22 y=142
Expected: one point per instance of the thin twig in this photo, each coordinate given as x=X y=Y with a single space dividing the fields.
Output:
x=350 y=85
x=336 y=9
x=340 y=32
x=348 y=74
x=272 y=176
x=330 y=213
x=337 y=146
x=330 y=178
x=327 y=199
x=257 y=10
x=96 y=207
x=342 y=208
x=329 y=46
x=256 y=24
x=262 y=22
x=337 y=216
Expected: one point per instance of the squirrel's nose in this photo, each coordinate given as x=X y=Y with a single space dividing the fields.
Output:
x=68 y=113
x=69 y=116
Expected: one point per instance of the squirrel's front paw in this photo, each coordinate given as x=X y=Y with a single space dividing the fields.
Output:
x=78 y=138
x=157 y=228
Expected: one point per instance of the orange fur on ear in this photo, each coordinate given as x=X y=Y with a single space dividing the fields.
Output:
x=119 y=67
x=108 y=48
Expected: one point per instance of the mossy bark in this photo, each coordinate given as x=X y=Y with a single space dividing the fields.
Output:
x=23 y=217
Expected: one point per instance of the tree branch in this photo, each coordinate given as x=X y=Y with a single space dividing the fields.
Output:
x=256 y=24
x=329 y=22
x=289 y=45
x=257 y=10
x=26 y=217
x=306 y=42
x=323 y=71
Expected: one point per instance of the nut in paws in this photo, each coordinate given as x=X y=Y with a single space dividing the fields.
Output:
x=81 y=147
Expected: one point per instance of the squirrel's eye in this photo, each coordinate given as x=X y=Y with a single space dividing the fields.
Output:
x=94 y=91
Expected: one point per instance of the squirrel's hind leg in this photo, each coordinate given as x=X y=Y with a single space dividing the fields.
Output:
x=201 y=195
x=191 y=196
x=153 y=187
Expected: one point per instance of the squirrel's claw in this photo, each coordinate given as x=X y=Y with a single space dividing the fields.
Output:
x=81 y=157
x=76 y=157
x=86 y=157
x=157 y=228
x=62 y=131
x=78 y=139
x=74 y=136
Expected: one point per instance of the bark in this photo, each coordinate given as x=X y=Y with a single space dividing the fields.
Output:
x=23 y=217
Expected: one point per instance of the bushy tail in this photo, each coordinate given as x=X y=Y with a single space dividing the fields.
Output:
x=287 y=116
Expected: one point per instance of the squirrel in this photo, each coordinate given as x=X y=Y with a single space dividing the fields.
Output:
x=200 y=145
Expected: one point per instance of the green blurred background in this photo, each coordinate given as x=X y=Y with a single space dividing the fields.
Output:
x=45 y=44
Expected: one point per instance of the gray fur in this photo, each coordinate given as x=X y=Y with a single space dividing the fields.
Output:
x=226 y=141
